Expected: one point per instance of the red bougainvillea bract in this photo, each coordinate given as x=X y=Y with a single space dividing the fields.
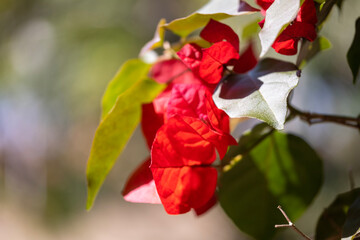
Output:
x=303 y=26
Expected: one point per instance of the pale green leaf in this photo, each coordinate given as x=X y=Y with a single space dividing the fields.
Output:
x=115 y=130
x=278 y=15
x=260 y=93
x=215 y=9
x=129 y=73
x=281 y=169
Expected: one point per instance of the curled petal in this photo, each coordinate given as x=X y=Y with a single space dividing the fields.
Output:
x=140 y=187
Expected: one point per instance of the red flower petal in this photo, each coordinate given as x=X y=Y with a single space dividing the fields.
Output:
x=179 y=143
x=307 y=13
x=191 y=55
x=195 y=101
x=216 y=31
x=214 y=57
x=151 y=121
x=140 y=187
x=187 y=100
x=183 y=188
x=264 y=4
x=220 y=140
x=184 y=149
x=247 y=60
x=285 y=44
x=302 y=27
x=201 y=210
x=172 y=70
x=220 y=123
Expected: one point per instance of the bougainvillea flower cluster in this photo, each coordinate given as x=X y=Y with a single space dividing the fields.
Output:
x=183 y=127
x=303 y=26
x=209 y=63
x=182 y=152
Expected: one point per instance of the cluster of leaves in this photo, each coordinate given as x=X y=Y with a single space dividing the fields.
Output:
x=184 y=102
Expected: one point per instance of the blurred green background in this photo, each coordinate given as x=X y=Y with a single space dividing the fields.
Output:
x=56 y=58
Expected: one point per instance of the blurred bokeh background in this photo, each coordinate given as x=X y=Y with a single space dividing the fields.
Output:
x=56 y=58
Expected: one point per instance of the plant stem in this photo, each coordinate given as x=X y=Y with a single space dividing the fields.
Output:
x=290 y=224
x=314 y=118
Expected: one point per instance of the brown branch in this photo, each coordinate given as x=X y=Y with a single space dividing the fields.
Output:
x=314 y=118
x=290 y=224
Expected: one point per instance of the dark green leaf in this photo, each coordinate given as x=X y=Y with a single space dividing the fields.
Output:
x=333 y=218
x=260 y=93
x=114 y=131
x=352 y=223
x=281 y=170
x=353 y=55
x=248 y=141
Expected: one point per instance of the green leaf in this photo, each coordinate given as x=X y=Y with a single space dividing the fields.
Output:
x=130 y=72
x=352 y=223
x=260 y=93
x=333 y=218
x=278 y=15
x=311 y=49
x=114 y=131
x=248 y=140
x=215 y=9
x=353 y=55
x=281 y=170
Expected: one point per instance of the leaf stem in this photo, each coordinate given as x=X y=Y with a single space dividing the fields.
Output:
x=290 y=224
x=314 y=118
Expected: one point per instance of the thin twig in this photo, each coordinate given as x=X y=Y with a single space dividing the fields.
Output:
x=314 y=118
x=290 y=224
